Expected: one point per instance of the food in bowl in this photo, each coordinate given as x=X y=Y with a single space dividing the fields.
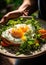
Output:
x=17 y=34
x=26 y=34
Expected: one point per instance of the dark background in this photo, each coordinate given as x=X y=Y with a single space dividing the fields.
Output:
x=8 y=5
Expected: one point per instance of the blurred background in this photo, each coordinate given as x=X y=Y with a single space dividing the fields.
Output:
x=8 y=5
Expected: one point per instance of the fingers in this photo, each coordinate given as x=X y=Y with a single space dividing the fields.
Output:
x=4 y=19
x=10 y=15
x=14 y=14
x=25 y=13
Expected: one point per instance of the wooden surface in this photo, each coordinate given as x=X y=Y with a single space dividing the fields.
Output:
x=10 y=61
x=6 y=61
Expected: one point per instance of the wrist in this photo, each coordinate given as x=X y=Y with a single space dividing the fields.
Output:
x=24 y=6
x=27 y=2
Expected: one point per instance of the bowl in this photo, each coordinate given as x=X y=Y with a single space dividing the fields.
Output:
x=7 y=53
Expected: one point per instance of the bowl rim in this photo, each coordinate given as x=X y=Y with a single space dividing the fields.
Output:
x=27 y=56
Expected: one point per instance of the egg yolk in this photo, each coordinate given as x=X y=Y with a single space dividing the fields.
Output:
x=24 y=38
x=24 y=29
x=18 y=33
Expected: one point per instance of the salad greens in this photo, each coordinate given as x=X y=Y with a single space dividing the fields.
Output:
x=20 y=20
x=30 y=44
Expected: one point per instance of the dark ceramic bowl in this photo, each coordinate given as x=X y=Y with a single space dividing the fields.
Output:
x=5 y=52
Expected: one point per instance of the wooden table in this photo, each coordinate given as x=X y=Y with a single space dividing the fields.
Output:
x=10 y=61
x=6 y=60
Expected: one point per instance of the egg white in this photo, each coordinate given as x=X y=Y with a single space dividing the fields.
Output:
x=9 y=37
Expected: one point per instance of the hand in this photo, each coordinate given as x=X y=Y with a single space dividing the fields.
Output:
x=13 y=14
x=23 y=10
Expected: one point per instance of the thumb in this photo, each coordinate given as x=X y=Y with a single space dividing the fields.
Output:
x=4 y=19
